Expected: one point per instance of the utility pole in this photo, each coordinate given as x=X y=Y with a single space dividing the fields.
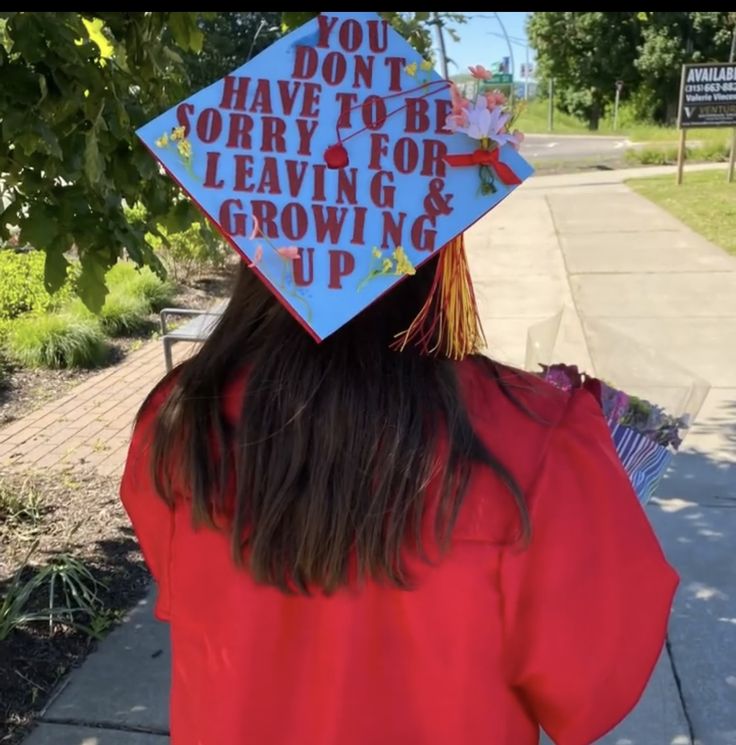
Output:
x=441 y=42
x=551 y=104
x=732 y=157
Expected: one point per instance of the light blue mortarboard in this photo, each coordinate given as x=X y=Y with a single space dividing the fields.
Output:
x=322 y=161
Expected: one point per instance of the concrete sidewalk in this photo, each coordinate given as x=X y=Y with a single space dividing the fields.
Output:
x=589 y=242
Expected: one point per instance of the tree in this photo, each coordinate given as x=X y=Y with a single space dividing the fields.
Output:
x=441 y=22
x=669 y=40
x=231 y=40
x=75 y=86
x=585 y=54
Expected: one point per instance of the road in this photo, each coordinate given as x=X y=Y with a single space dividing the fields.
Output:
x=572 y=147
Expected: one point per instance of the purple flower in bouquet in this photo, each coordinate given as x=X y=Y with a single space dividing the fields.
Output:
x=564 y=377
x=615 y=403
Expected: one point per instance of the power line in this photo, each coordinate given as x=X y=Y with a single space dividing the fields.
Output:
x=514 y=39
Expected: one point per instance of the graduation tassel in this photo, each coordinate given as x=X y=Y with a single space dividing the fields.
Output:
x=448 y=324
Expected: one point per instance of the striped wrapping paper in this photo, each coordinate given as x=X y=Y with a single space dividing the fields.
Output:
x=644 y=460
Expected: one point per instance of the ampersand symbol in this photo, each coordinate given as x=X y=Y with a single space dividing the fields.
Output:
x=436 y=203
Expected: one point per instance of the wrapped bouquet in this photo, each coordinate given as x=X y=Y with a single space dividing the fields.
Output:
x=648 y=401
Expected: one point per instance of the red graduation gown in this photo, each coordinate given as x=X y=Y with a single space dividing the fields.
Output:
x=493 y=642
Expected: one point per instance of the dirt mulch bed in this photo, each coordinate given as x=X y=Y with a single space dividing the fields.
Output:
x=22 y=390
x=73 y=513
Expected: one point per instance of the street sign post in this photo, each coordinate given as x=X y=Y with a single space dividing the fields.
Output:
x=501 y=78
x=707 y=99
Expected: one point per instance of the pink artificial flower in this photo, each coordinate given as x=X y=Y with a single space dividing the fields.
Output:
x=459 y=102
x=480 y=73
x=256 y=228
x=289 y=252
x=495 y=98
x=257 y=257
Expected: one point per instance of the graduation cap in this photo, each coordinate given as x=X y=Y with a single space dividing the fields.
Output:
x=336 y=162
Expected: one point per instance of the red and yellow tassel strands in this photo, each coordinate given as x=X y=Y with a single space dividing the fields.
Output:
x=448 y=324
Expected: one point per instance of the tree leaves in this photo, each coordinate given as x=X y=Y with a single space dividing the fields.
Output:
x=54 y=270
x=91 y=282
x=39 y=228
x=587 y=52
x=68 y=151
x=231 y=39
x=185 y=31
x=97 y=36
x=291 y=19
x=93 y=166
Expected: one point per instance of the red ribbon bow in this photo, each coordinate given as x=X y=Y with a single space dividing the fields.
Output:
x=485 y=158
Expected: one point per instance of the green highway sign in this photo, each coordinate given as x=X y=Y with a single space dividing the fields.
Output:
x=501 y=79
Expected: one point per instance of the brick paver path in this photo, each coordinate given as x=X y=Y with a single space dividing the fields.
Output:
x=90 y=425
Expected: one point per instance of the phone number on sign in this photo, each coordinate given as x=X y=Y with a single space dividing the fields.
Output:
x=711 y=88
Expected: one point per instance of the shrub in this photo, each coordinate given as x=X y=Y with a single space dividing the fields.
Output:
x=56 y=340
x=190 y=251
x=666 y=155
x=133 y=295
x=186 y=252
x=70 y=591
x=4 y=371
x=716 y=152
x=654 y=156
x=21 y=284
x=123 y=314
x=126 y=279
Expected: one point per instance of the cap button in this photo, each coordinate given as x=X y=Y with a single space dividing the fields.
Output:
x=336 y=156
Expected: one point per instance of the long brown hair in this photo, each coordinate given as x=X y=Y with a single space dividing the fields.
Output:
x=328 y=464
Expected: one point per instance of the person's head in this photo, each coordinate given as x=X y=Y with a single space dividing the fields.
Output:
x=335 y=443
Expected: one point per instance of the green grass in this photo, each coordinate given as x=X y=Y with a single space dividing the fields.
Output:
x=533 y=120
x=56 y=341
x=705 y=202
